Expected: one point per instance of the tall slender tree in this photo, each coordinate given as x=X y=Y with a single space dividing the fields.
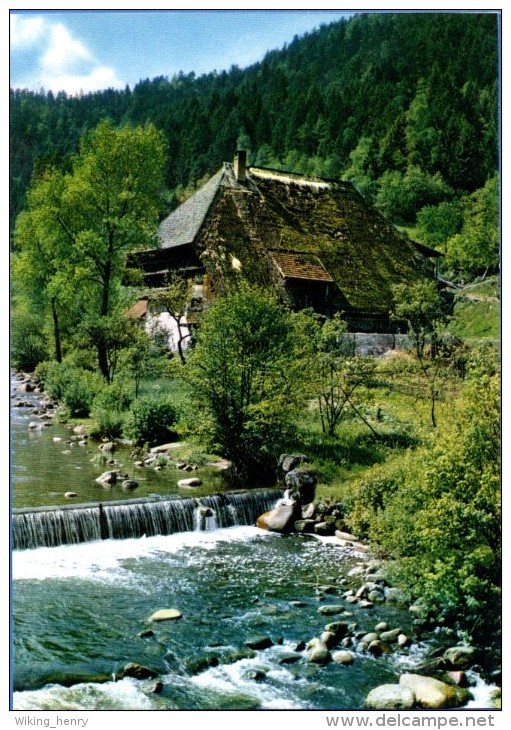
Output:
x=104 y=208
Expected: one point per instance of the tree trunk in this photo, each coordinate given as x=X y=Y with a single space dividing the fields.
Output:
x=103 y=360
x=56 y=331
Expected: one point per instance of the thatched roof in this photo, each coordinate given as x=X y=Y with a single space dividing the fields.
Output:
x=282 y=225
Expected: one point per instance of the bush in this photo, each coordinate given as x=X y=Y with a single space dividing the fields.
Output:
x=109 y=410
x=438 y=510
x=28 y=343
x=109 y=424
x=151 y=421
x=75 y=387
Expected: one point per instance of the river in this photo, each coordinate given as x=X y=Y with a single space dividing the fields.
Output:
x=80 y=612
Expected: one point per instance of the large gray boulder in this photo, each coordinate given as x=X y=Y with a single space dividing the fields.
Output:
x=301 y=485
x=433 y=694
x=390 y=697
x=280 y=519
x=288 y=462
x=460 y=657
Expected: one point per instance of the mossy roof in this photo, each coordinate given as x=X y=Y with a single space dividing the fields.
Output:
x=273 y=215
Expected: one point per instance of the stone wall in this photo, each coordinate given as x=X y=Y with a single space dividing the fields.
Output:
x=376 y=344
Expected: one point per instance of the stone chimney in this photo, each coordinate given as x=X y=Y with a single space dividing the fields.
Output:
x=240 y=165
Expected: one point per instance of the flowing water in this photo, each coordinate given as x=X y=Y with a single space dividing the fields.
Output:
x=85 y=582
x=80 y=610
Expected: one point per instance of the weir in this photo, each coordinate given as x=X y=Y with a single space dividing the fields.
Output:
x=117 y=520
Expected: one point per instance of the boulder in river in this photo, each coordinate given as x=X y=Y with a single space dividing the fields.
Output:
x=301 y=484
x=129 y=485
x=259 y=642
x=432 y=694
x=390 y=697
x=280 y=519
x=137 y=671
x=192 y=482
x=317 y=651
x=108 y=477
x=166 y=614
x=460 y=657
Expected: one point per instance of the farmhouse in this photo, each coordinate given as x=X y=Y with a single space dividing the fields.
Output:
x=316 y=241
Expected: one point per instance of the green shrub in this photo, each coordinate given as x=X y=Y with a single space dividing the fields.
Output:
x=28 y=343
x=109 y=424
x=437 y=510
x=109 y=410
x=72 y=386
x=151 y=421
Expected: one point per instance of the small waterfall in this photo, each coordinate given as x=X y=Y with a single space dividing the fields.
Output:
x=205 y=518
x=69 y=524
x=44 y=527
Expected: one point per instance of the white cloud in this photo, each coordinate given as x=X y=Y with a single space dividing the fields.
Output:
x=64 y=51
x=61 y=62
x=100 y=77
x=25 y=31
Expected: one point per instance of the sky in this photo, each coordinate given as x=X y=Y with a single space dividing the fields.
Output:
x=80 y=51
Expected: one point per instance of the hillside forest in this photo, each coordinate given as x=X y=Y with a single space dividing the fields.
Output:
x=405 y=106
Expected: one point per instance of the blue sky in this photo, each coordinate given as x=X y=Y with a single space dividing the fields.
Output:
x=88 y=50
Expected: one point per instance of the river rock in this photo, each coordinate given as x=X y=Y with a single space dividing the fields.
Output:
x=317 y=651
x=376 y=647
x=331 y=609
x=304 y=526
x=390 y=637
x=255 y=675
x=308 y=511
x=403 y=640
x=301 y=484
x=342 y=657
x=129 y=485
x=382 y=626
x=166 y=614
x=70 y=495
x=289 y=658
x=459 y=657
x=259 y=642
x=322 y=528
x=371 y=636
x=339 y=628
x=329 y=638
x=433 y=694
x=280 y=519
x=107 y=446
x=108 y=477
x=347 y=536
x=366 y=604
x=390 y=697
x=164 y=448
x=192 y=482
x=137 y=671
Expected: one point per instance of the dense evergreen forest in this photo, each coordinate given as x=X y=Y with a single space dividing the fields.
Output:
x=405 y=105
